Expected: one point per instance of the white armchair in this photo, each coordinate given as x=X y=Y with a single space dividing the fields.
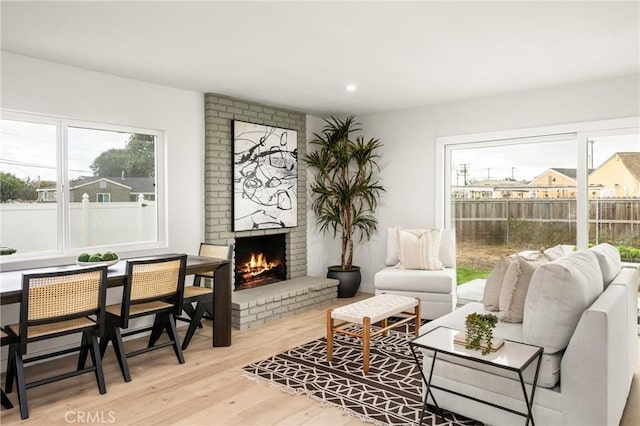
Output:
x=435 y=288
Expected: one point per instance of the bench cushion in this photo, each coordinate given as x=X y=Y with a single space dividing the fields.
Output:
x=376 y=308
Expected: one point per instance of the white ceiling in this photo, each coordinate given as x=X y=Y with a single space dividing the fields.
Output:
x=300 y=55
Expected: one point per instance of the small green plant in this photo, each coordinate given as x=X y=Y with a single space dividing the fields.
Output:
x=629 y=254
x=479 y=327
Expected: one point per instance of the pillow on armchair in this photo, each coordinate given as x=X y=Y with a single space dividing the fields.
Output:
x=446 y=251
x=418 y=249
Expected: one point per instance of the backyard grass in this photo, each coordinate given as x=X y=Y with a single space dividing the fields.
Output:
x=465 y=274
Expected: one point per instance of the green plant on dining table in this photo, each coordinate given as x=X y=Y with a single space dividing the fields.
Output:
x=479 y=328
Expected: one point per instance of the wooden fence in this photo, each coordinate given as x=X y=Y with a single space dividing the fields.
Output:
x=546 y=222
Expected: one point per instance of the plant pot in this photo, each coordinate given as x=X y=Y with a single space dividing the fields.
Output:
x=349 y=280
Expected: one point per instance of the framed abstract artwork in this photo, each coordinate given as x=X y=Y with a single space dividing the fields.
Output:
x=265 y=177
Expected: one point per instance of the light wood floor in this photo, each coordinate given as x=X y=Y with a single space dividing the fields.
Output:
x=207 y=389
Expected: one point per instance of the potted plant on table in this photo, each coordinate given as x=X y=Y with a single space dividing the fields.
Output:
x=345 y=192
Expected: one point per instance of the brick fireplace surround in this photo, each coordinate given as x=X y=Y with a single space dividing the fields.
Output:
x=256 y=306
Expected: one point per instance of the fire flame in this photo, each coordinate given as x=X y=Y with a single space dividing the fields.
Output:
x=257 y=265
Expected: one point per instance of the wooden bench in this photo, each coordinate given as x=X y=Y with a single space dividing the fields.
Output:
x=367 y=312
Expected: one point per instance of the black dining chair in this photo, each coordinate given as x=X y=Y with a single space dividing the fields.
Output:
x=57 y=304
x=152 y=287
x=4 y=340
x=201 y=296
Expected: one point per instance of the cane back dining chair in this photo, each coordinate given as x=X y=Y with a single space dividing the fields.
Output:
x=4 y=340
x=200 y=295
x=152 y=287
x=56 y=304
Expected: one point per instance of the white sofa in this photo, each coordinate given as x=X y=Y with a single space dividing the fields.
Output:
x=436 y=289
x=589 y=354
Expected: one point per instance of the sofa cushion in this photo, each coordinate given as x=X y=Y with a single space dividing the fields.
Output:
x=418 y=249
x=446 y=252
x=515 y=286
x=609 y=261
x=559 y=292
x=491 y=297
x=415 y=280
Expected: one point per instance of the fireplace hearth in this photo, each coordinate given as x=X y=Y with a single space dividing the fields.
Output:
x=259 y=260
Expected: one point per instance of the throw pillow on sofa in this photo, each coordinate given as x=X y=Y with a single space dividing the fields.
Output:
x=418 y=249
x=515 y=286
x=493 y=285
x=559 y=292
x=556 y=252
x=609 y=261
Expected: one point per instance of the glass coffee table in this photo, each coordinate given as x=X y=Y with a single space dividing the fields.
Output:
x=512 y=356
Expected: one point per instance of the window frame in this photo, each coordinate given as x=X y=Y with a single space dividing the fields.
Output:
x=582 y=131
x=63 y=252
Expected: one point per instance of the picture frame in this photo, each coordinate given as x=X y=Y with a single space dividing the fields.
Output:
x=265 y=177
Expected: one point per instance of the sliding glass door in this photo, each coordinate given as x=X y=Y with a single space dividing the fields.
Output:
x=510 y=195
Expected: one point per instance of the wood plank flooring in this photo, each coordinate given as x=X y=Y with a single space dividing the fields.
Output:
x=206 y=390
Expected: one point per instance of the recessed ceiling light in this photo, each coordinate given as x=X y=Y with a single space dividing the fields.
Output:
x=350 y=88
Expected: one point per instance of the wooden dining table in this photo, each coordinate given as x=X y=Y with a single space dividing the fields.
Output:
x=11 y=287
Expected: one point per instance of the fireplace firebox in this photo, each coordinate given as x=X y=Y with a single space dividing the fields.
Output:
x=259 y=260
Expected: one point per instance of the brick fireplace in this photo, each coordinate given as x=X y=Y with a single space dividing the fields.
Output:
x=297 y=292
x=219 y=112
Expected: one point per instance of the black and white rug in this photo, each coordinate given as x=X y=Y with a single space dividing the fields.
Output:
x=390 y=394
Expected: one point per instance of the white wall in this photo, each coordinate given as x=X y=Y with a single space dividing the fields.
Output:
x=37 y=86
x=408 y=167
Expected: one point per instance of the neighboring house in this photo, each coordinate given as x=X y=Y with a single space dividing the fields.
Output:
x=618 y=176
x=104 y=190
x=48 y=194
x=554 y=183
x=491 y=188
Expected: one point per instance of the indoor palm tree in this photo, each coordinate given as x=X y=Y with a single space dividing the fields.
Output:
x=345 y=189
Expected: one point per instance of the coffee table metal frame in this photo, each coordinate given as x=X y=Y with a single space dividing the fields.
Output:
x=440 y=340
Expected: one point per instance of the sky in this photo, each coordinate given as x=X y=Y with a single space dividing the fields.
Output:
x=525 y=162
x=29 y=149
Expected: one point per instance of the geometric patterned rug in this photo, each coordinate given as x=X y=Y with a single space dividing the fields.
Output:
x=390 y=394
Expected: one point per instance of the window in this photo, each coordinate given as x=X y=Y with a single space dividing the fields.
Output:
x=504 y=195
x=68 y=186
x=102 y=197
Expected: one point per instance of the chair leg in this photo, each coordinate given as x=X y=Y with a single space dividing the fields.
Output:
x=208 y=306
x=84 y=350
x=104 y=340
x=118 y=347
x=156 y=332
x=94 y=349
x=21 y=384
x=188 y=309
x=193 y=324
x=6 y=403
x=173 y=335
x=11 y=370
